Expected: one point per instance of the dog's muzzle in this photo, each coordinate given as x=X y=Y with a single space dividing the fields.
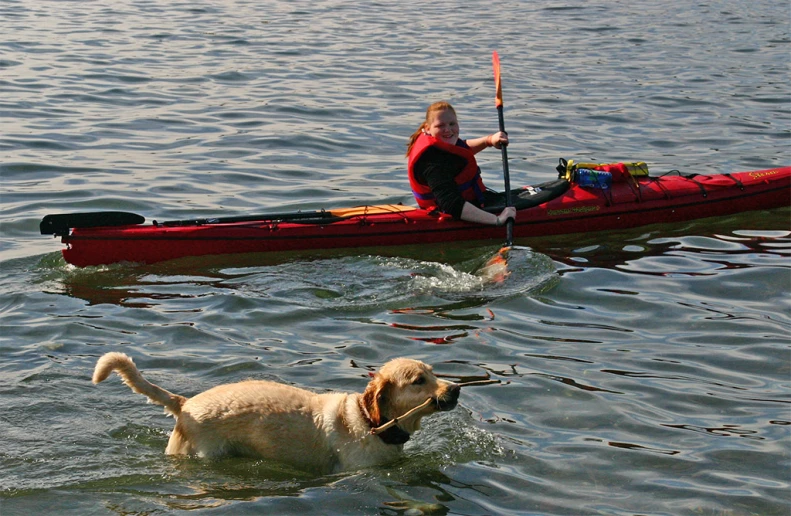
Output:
x=450 y=398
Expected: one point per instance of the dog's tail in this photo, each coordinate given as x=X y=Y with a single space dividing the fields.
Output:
x=126 y=369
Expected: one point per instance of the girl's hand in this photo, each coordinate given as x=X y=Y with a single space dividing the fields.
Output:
x=497 y=140
x=508 y=213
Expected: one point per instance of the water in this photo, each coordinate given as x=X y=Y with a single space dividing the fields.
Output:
x=642 y=372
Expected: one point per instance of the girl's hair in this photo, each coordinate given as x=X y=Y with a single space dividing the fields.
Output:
x=433 y=109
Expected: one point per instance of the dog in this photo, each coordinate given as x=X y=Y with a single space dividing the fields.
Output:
x=327 y=433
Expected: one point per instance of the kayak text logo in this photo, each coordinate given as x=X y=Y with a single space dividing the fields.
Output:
x=569 y=211
x=763 y=173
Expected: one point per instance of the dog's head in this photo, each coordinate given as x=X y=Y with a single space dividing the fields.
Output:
x=401 y=385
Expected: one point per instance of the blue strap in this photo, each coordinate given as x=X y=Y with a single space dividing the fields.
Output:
x=423 y=197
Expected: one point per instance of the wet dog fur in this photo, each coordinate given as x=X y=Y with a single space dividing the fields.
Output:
x=325 y=432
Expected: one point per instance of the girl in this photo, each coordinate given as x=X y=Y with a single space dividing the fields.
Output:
x=442 y=169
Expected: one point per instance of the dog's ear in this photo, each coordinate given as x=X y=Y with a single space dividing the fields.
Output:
x=375 y=399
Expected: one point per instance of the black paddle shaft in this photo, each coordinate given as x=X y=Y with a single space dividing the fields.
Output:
x=60 y=224
x=509 y=224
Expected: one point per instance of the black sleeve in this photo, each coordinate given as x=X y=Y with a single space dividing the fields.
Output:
x=437 y=169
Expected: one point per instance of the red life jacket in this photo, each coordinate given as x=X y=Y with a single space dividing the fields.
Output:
x=469 y=179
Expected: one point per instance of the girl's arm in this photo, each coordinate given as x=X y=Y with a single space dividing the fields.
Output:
x=476 y=145
x=470 y=213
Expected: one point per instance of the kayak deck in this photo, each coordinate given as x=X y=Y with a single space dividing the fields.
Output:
x=636 y=202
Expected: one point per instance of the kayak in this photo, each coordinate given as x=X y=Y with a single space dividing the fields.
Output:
x=553 y=208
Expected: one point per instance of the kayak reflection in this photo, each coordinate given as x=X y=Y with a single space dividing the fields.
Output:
x=329 y=280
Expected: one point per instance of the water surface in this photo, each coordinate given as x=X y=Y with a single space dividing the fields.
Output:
x=642 y=372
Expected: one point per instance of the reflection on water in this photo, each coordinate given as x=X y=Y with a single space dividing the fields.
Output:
x=345 y=282
x=702 y=247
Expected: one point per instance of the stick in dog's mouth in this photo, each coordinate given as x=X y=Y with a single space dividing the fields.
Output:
x=443 y=405
x=393 y=422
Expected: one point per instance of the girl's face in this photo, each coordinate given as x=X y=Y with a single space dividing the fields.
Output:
x=444 y=127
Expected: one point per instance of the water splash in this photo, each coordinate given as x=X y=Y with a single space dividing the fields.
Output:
x=527 y=271
x=335 y=282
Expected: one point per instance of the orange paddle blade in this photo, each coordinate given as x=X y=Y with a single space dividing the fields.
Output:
x=496 y=269
x=498 y=99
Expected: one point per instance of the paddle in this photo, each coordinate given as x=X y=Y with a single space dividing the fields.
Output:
x=60 y=224
x=496 y=268
x=307 y=217
x=498 y=102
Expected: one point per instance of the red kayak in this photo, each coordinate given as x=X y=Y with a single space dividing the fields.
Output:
x=558 y=207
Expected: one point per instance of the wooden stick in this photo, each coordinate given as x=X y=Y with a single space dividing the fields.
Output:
x=394 y=422
x=429 y=401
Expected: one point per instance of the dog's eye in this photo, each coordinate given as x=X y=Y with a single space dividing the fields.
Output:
x=420 y=380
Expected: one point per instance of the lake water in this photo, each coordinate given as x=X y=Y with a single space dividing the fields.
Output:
x=642 y=372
